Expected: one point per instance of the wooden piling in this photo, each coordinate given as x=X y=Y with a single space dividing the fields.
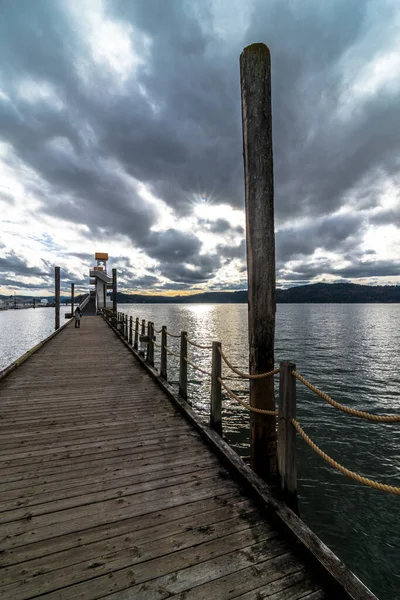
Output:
x=183 y=367
x=163 y=367
x=104 y=296
x=34 y=303
x=72 y=298
x=150 y=345
x=114 y=289
x=57 y=296
x=255 y=72
x=135 y=344
x=130 y=330
x=143 y=333
x=216 y=373
x=287 y=472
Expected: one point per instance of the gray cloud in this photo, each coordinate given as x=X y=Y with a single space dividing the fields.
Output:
x=175 y=124
x=330 y=233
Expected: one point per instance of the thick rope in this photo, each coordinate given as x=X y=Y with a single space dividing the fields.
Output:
x=189 y=341
x=247 y=375
x=383 y=487
x=173 y=335
x=346 y=409
x=172 y=353
x=261 y=411
x=155 y=344
x=189 y=362
x=158 y=331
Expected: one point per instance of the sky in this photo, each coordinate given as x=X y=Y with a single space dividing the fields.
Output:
x=120 y=132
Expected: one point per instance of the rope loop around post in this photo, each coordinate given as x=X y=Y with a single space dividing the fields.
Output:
x=351 y=411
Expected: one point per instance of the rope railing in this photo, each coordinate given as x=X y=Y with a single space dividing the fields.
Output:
x=333 y=463
x=173 y=335
x=288 y=425
x=192 y=343
x=246 y=375
x=234 y=396
x=189 y=362
x=351 y=411
x=168 y=351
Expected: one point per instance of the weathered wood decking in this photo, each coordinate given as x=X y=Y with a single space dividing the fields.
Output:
x=107 y=491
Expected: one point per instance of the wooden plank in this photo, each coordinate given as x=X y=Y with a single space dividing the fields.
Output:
x=119 y=484
x=114 y=547
x=116 y=571
x=273 y=575
x=130 y=505
x=150 y=526
x=123 y=491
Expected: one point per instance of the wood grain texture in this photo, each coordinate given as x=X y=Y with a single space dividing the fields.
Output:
x=105 y=488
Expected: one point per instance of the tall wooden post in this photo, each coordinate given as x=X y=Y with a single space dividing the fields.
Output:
x=150 y=345
x=163 y=367
x=114 y=289
x=143 y=333
x=72 y=298
x=104 y=296
x=126 y=327
x=57 y=296
x=287 y=472
x=34 y=303
x=135 y=344
x=216 y=373
x=183 y=367
x=130 y=330
x=255 y=73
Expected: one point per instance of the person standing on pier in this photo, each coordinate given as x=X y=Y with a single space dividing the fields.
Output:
x=77 y=315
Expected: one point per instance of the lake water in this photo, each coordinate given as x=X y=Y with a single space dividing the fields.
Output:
x=350 y=351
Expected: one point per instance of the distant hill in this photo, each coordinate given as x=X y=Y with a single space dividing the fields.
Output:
x=331 y=293
x=316 y=293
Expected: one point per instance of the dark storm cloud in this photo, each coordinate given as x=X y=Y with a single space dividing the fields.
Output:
x=386 y=217
x=219 y=226
x=330 y=233
x=197 y=269
x=175 y=123
x=359 y=269
x=173 y=246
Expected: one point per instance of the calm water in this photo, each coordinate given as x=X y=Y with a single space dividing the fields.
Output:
x=351 y=352
x=21 y=329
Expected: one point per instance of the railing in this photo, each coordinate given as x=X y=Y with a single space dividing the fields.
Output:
x=144 y=342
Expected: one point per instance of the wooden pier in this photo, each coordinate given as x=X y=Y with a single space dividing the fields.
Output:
x=112 y=488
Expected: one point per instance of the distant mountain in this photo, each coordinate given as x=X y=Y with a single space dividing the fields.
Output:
x=316 y=293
